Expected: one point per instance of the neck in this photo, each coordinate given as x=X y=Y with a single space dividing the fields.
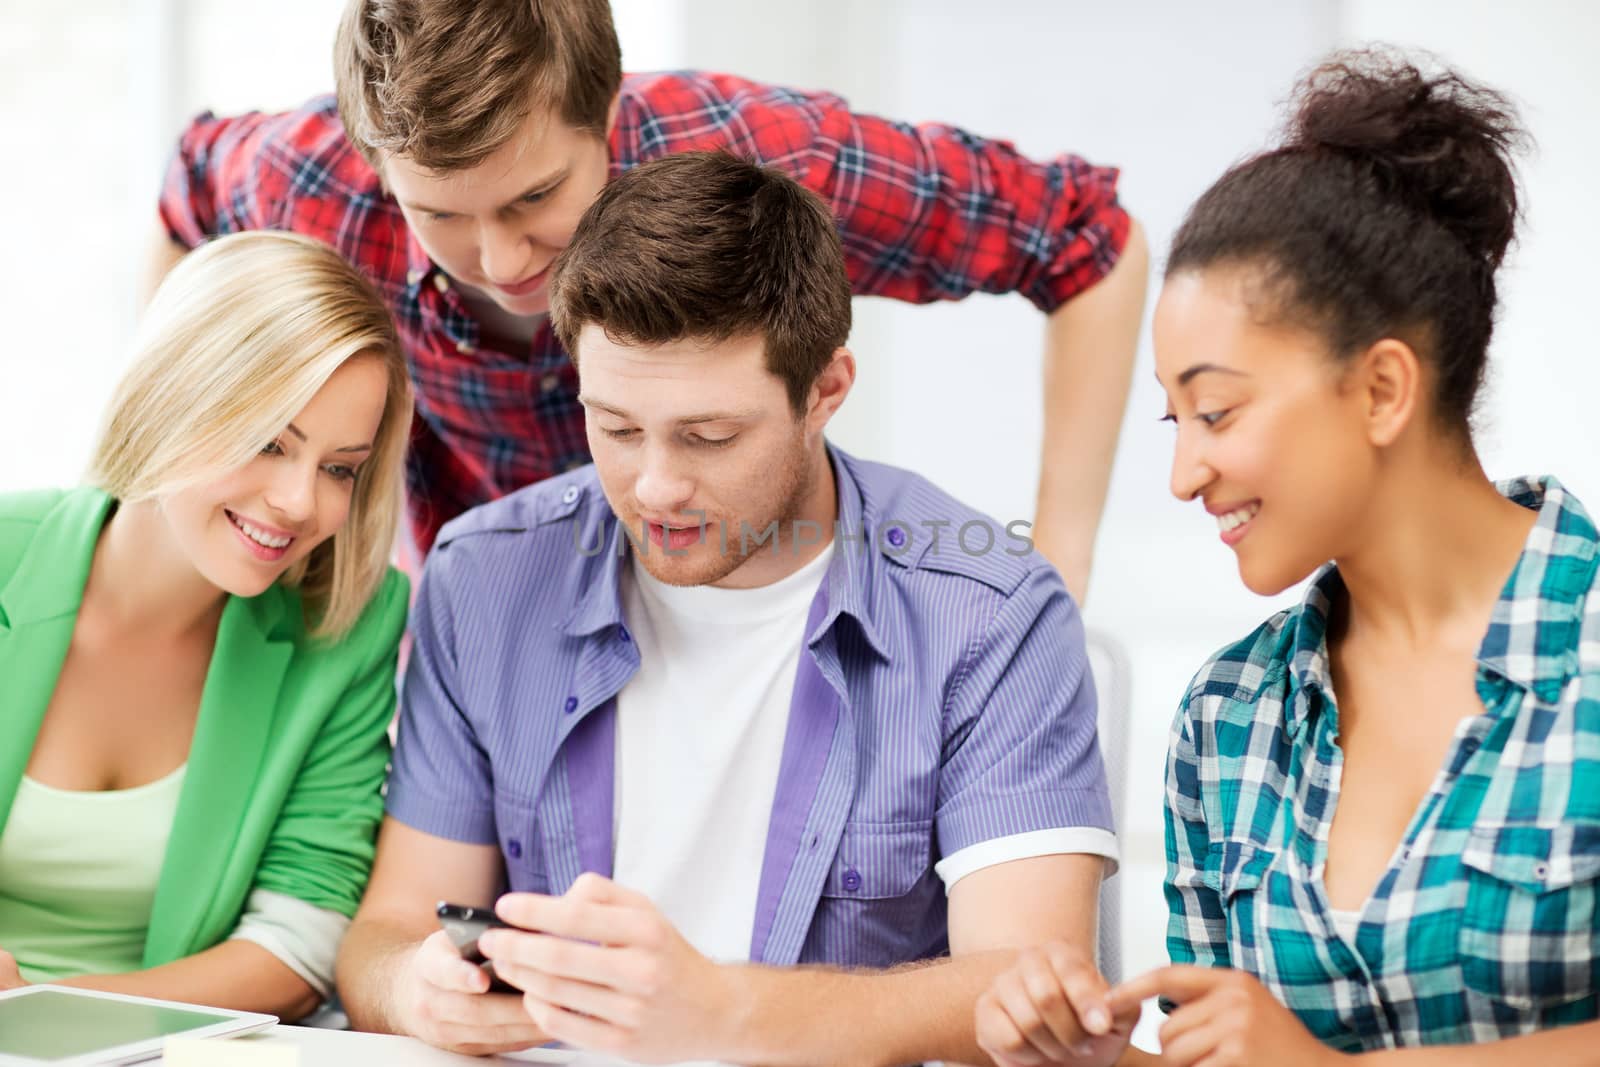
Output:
x=802 y=535
x=1440 y=543
x=140 y=580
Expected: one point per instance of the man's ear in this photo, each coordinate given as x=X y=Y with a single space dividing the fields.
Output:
x=1389 y=381
x=830 y=389
x=611 y=114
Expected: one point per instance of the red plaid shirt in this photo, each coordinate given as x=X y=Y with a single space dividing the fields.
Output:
x=925 y=213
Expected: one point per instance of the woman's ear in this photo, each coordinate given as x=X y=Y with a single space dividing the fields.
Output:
x=1389 y=381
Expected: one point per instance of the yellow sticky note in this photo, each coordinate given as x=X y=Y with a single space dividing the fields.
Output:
x=229 y=1052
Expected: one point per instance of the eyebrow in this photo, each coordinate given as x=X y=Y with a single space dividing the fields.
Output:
x=1204 y=368
x=687 y=420
x=543 y=185
x=347 y=448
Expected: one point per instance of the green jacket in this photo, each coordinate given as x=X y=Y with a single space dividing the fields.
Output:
x=289 y=753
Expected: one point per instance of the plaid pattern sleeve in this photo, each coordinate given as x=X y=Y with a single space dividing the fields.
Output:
x=925 y=213
x=1484 y=926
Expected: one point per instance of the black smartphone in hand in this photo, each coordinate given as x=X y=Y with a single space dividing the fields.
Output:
x=464 y=925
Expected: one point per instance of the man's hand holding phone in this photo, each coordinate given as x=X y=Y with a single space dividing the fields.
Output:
x=447 y=1001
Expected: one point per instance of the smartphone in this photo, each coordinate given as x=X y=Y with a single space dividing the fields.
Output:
x=464 y=925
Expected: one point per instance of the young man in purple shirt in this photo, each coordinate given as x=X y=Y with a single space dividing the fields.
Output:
x=729 y=700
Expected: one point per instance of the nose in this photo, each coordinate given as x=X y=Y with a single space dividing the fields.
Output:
x=1190 y=471
x=292 y=494
x=662 y=485
x=502 y=253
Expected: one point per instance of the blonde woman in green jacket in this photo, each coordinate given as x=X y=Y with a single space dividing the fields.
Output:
x=197 y=652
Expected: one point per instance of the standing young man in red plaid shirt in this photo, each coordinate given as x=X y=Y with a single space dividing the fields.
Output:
x=466 y=140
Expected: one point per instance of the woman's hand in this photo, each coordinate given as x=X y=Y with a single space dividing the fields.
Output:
x=1051 y=1007
x=1227 y=1019
x=10 y=977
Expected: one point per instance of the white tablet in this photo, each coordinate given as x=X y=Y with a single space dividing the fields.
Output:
x=57 y=1026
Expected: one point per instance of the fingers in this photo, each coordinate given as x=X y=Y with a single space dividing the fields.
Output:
x=999 y=1035
x=1085 y=989
x=518 y=955
x=1195 y=1043
x=441 y=966
x=1048 y=1007
x=577 y=916
x=1180 y=983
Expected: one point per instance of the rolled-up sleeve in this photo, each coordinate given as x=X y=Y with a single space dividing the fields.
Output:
x=932 y=212
x=1022 y=754
x=1197 y=929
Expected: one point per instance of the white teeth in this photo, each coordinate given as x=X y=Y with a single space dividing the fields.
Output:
x=1235 y=519
x=260 y=536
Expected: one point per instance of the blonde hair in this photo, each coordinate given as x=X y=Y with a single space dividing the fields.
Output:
x=241 y=335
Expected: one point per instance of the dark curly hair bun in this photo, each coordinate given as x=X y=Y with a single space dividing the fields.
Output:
x=1384 y=212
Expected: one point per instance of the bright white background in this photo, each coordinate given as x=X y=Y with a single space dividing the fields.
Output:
x=1170 y=90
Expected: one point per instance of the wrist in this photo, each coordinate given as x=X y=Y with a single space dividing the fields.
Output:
x=735 y=1014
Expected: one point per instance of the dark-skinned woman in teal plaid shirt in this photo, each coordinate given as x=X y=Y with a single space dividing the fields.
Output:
x=1383 y=806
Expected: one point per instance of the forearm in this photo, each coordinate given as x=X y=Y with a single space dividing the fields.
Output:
x=910 y=1014
x=240 y=975
x=161 y=255
x=367 y=972
x=1554 y=1048
x=1090 y=344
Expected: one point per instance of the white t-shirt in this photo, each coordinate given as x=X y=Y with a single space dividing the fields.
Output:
x=700 y=732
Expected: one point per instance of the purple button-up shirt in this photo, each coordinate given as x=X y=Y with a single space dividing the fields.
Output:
x=944 y=700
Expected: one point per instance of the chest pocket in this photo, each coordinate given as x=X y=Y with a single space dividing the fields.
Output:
x=880 y=901
x=1236 y=871
x=1528 y=934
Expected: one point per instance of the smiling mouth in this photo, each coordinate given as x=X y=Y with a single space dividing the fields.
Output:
x=528 y=285
x=271 y=545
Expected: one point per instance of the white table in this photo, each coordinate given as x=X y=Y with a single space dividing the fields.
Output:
x=345 y=1048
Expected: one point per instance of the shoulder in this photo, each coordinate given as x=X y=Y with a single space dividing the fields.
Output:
x=1234 y=679
x=675 y=111
x=533 y=536
x=919 y=527
x=23 y=513
x=305 y=147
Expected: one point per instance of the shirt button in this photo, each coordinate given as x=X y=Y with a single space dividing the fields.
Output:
x=514 y=849
x=549 y=382
x=570 y=495
x=414 y=276
x=570 y=706
x=1541 y=871
x=851 y=880
x=466 y=348
x=440 y=282
x=897 y=536
x=1470 y=745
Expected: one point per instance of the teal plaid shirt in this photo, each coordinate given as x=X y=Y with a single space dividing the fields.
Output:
x=1483 y=925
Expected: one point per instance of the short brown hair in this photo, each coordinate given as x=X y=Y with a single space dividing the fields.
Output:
x=702 y=245
x=445 y=83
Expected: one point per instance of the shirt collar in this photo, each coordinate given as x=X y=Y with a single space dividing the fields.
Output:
x=1532 y=635
x=846 y=586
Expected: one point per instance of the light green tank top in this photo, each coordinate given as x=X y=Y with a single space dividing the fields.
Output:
x=78 y=874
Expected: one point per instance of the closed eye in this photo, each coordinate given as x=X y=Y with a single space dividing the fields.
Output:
x=1211 y=418
x=618 y=435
